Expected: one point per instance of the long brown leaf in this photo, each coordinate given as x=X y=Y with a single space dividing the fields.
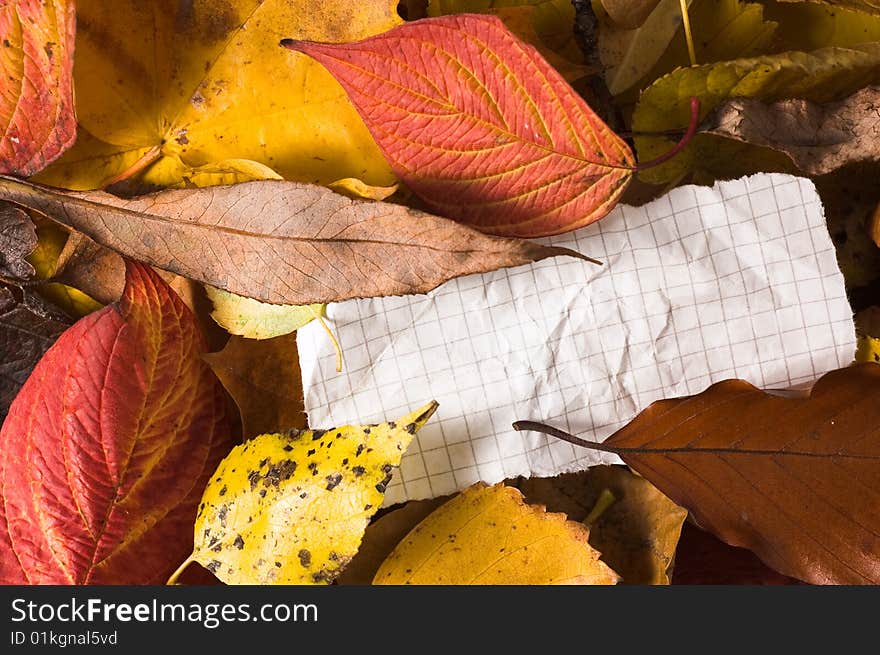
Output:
x=282 y=242
x=797 y=481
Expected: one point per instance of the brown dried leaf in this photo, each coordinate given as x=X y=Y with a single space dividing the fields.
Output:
x=264 y=379
x=794 y=480
x=18 y=238
x=819 y=138
x=637 y=534
x=93 y=269
x=282 y=242
x=628 y=13
x=28 y=327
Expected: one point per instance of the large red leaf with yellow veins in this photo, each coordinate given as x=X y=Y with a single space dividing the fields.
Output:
x=108 y=446
x=37 y=121
x=479 y=125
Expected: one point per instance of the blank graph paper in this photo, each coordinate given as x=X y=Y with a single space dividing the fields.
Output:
x=704 y=284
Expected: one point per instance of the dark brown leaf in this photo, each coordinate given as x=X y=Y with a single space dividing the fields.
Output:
x=18 y=238
x=28 y=327
x=795 y=480
x=819 y=138
x=282 y=242
x=702 y=558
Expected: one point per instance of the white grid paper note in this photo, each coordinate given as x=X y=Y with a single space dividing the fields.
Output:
x=701 y=285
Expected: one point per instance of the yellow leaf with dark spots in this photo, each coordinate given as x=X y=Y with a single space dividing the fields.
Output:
x=292 y=508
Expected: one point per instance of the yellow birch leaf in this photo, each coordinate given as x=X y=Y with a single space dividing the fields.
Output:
x=489 y=535
x=355 y=188
x=292 y=508
x=206 y=81
x=253 y=319
x=822 y=75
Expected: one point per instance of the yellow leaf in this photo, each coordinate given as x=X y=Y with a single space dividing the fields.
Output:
x=637 y=533
x=206 y=81
x=488 y=535
x=253 y=319
x=822 y=75
x=355 y=188
x=871 y=6
x=229 y=171
x=292 y=508
x=722 y=29
x=44 y=259
x=811 y=25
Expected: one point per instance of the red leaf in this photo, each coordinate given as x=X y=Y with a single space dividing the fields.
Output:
x=703 y=559
x=106 y=450
x=480 y=126
x=37 y=121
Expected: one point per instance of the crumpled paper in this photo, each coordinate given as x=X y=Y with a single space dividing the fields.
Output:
x=701 y=285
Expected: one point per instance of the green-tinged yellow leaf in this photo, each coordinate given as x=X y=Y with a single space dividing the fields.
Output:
x=722 y=29
x=822 y=75
x=489 y=535
x=253 y=319
x=812 y=25
x=206 y=81
x=292 y=508
x=870 y=6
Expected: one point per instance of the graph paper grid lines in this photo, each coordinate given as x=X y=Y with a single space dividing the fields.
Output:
x=736 y=281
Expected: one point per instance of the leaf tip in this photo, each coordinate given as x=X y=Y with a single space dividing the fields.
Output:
x=419 y=417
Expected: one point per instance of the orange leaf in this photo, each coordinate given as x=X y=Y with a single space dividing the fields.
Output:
x=794 y=480
x=37 y=121
x=108 y=446
x=480 y=126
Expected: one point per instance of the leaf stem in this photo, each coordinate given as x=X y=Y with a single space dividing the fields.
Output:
x=180 y=569
x=682 y=144
x=606 y=499
x=145 y=160
x=332 y=337
x=534 y=426
x=685 y=17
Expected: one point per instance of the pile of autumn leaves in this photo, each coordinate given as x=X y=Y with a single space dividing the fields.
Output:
x=255 y=159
